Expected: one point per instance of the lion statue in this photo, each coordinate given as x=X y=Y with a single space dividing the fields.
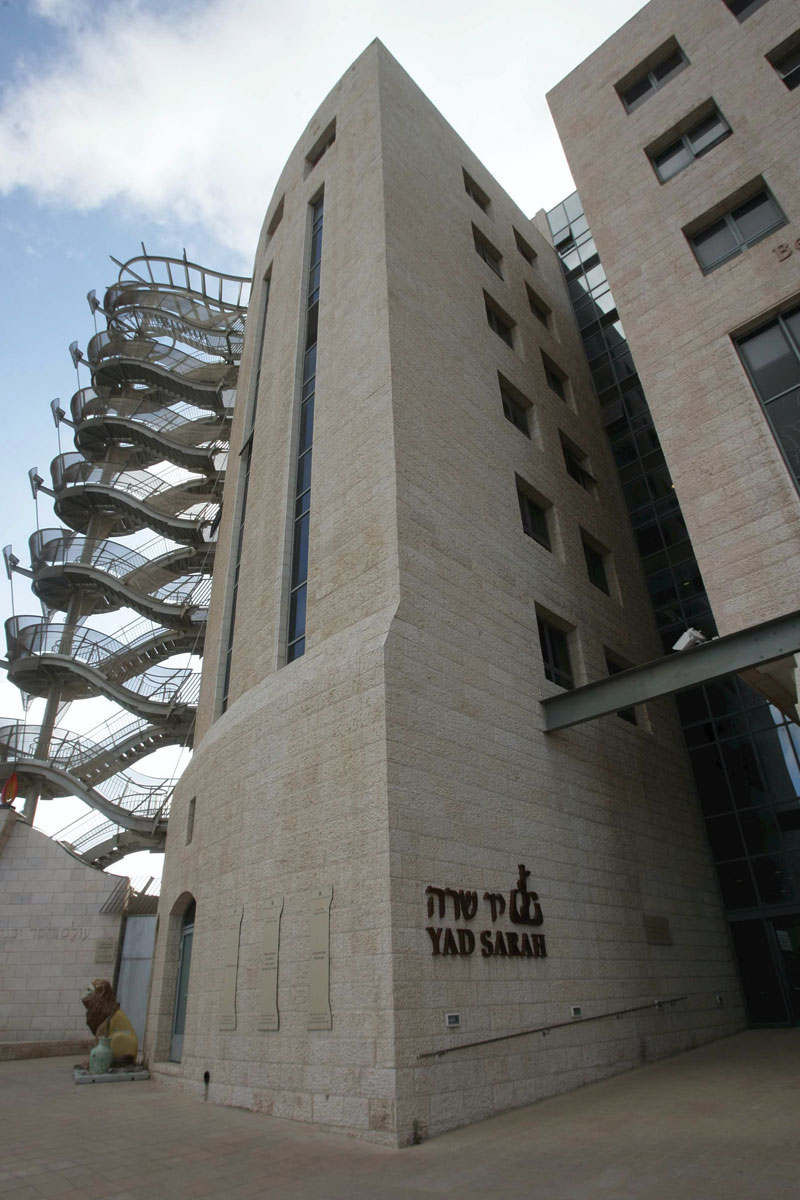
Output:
x=105 y=1018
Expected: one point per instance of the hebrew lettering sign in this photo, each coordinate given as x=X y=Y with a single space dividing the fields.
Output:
x=457 y=904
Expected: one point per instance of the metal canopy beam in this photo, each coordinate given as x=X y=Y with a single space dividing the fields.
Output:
x=683 y=669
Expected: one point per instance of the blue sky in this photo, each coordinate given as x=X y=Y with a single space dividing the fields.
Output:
x=128 y=121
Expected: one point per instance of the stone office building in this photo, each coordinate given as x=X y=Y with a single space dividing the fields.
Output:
x=381 y=866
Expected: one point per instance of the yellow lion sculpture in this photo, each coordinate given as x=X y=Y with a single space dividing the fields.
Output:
x=105 y=1018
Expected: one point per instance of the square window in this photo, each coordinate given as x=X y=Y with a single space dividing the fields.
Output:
x=556 y=379
x=490 y=255
x=596 y=566
x=614 y=667
x=539 y=309
x=575 y=463
x=742 y=9
x=527 y=251
x=499 y=321
x=475 y=192
x=785 y=59
x=534 y=517
x=554 y=644
x=515 y=406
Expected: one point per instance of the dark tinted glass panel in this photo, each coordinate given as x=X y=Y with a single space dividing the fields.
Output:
x=300 y=551
x=712 y=783
x=760 y=831
x=773 y=879
x=714 y=244
x=692 y=705
x=789 y=69
x=724 y=837
x=297 y=610
x=596 y=567
x=736 y=884
x=296 y=650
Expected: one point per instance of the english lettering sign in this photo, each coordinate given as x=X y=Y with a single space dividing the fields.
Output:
x=523 y=909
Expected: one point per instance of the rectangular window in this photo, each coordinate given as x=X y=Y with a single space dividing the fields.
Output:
x=735 y=230
x=575 y=463
x=475 y=192
x=190 y=820
x=487 y=252
x=771 y=356
x=785 y=59
x=527 y=252
x=323 y=142
x=688 y=145
x=556 y=379
x=555 y=654
x=742 y=9
x=499 y=321
x=538 y=307
x=596 y=566
x=654 y=73
x=533 y=510
x=613 y=667
x=515 y=406
x=298 y=586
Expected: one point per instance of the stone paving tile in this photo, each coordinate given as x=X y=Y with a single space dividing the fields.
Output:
x=716 y=1124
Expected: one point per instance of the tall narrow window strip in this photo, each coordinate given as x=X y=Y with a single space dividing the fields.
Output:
x=246 y=458
x=298 y=585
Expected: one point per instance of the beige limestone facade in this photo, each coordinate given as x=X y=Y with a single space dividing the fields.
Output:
x=621 y=115
x=54 y=940
x=352 y=824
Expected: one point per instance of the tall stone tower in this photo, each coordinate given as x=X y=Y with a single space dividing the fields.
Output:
x=377 y=853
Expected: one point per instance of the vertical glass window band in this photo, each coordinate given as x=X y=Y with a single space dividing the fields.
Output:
x=296 y=637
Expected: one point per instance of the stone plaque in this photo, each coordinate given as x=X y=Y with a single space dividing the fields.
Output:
x=319 y=1004
x=105 y=950
x=230 y=968
x=657 y=930
x=268 y=1017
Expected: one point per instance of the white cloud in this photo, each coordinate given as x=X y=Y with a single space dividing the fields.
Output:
x=188 y=112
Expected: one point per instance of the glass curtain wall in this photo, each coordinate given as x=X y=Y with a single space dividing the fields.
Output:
x=745 y=754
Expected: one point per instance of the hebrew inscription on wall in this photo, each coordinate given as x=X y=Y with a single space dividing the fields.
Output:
x=319 y=1005
x=457 y=904
x=268 y=1017
x=230 y=970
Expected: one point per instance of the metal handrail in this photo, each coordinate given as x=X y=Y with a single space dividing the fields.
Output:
x=545 y=1029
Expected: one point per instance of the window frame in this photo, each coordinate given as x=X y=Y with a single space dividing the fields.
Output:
x=488 y=252
x=555 y=674
x=475 y=192
x=788 y=49
x=514 y=403
x=792 y=340
x=533 y=505
x=540 y=310
x=602 y=556
x=553 y=372
x=499 y=321
x=526 y=250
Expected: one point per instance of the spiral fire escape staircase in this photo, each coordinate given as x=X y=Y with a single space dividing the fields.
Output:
x=151 y=436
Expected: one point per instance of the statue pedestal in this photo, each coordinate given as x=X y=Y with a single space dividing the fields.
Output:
x=115 y=1075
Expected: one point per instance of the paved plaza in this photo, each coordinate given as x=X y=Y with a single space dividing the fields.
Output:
x=719 y=1123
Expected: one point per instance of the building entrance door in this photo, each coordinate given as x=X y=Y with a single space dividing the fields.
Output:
x=786 y=932
x=768 y=951
x=182 y=989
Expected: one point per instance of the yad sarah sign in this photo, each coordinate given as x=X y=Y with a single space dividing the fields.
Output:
x=522 y=909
